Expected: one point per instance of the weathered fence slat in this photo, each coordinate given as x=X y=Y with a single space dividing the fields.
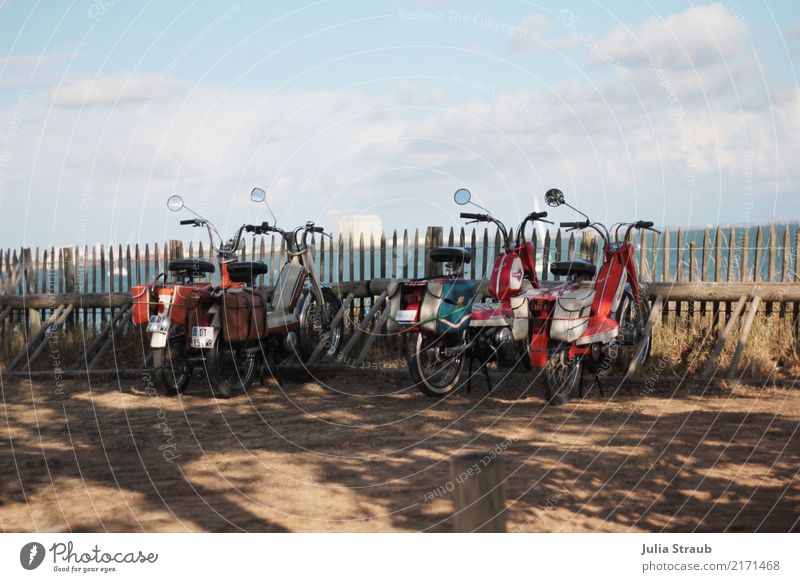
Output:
x=651 y=322
x=748 y=324
x=723 y=338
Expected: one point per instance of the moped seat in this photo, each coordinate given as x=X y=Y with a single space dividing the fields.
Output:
x=190 y=266
x=246 y=271
x=451 y=254
x=576 y=268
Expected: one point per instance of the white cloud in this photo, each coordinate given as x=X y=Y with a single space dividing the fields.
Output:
x=689 y=39
x=32 y=70
x=666 y=143
x=111 y=90
x=530 y=31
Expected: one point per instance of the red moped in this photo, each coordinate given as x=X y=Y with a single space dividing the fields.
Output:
x=596 y=318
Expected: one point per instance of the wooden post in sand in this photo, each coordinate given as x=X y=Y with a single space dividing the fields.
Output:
x=478 y=499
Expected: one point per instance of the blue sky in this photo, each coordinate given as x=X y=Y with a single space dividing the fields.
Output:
x=684 y=113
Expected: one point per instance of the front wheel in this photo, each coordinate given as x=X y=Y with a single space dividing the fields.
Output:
x=435 y=371
x=171 y=364
x=231 y=368
x=632 y=319
x=562 y=378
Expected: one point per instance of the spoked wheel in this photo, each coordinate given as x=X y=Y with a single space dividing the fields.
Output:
x=435 y=372
x=171 y=364
x=562 y=378
x=315 y=327
x=632 y=319
x=231 y=368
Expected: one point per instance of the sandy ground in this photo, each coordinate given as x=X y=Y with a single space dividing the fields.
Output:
x=363 y=452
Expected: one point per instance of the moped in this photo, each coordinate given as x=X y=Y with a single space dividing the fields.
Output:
x=302 y=309
x=452 y=327
x=595 y=318
x=226 y=327
x=503 y=321
x=184 y=316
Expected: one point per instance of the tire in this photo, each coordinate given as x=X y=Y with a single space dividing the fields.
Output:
x=631 y=322
x=314 y=326
x=173 y=370
x=230 y=368
x=562 y=378
x=434 y=373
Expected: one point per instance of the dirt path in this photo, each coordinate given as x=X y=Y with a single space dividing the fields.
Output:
x=366 y=453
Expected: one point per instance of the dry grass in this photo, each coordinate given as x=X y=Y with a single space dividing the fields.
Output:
x=682 y=346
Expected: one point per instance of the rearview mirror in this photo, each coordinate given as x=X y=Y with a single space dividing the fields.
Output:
x=258 y=195
x=554 y=197
x=175 y=203
x=462 y=196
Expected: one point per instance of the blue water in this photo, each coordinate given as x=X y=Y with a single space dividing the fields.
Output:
x=400 y=264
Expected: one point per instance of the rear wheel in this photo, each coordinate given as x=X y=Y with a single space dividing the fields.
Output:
x=562 y=378
x=171 y=365
x=231 y=368
x=315 y=327
x=435 y=372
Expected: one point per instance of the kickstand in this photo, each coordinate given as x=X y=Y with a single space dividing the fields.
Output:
x=488 y=381
x=469 y=375
x=599 y=384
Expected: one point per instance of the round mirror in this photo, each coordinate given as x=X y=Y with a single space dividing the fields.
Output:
x=554 y=197
x=175 y=203
x=462 y=196
x=258 y=195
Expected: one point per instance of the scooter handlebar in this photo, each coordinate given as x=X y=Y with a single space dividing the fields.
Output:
x=471 y=216
x=192 y=221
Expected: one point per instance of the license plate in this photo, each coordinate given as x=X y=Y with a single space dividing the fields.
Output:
x=406 y=316
x=157 y=323
x=202 y=337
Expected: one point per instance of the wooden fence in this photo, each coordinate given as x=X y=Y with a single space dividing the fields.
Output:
x=694 y=272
